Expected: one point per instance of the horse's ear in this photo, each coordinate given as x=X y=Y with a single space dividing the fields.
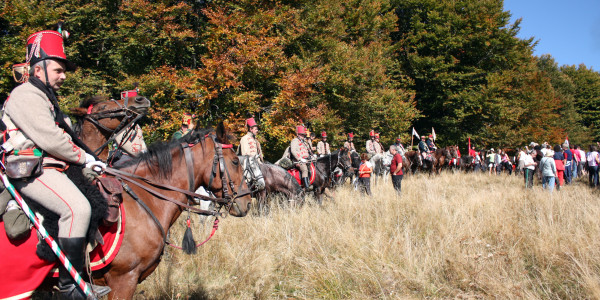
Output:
x=222 y=133
x=78 y=111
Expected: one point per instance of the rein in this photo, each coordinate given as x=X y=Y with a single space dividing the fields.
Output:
x=226 y=201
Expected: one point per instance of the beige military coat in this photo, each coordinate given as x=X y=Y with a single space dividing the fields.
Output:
x=323 y=148
x=249 y=145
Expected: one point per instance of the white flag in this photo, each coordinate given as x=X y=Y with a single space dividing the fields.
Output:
x=415 y=133
x=433 y=133
x=567 y=141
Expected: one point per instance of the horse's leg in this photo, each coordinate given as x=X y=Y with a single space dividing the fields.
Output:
x=123 y=286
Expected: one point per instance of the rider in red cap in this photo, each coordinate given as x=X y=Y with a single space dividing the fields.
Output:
x=249 y=145
x=323 y=145
x=300 y=154
x=187 y=125
x=373 y=145
x=48 y=136
x=349 y=144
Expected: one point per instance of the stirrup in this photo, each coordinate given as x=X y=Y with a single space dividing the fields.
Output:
x=72 y=292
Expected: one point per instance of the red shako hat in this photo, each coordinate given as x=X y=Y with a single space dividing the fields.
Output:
x=351 y=135
x=128 y=94
x=187 y=118
x=300 y=129
x=372 y=133
x=323 y=134
x=250 y=122
x=377 y=135
x=47 y=44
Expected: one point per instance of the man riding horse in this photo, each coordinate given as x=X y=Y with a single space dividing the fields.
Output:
x=349 y=144
x=48 y=135
x=187 y=125
x=373 y=145
x=424 y=148
x=249 y=145
x=300 y=154
x=323 y=145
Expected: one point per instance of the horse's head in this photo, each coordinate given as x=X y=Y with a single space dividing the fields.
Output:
x=355 y=158
x=453 y=151
x=345 y=160
x=100 y=118
x=252 y=173
x=110 y=113
x=223 y=173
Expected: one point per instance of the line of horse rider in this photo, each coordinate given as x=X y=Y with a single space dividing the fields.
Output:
x=42 y=147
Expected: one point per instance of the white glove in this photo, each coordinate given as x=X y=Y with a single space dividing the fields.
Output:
x=89 y=158
x=96 y=165
x=303 y=160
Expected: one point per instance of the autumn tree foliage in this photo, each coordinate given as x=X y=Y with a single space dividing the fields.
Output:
x=340 y=66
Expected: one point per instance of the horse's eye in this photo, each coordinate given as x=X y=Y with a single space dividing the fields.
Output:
x=235 y=161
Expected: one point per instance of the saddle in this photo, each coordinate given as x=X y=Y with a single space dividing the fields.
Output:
x=428 y=156
x=112 y=190
x=311 y=173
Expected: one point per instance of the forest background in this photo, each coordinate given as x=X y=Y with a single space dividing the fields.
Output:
x=340 y=66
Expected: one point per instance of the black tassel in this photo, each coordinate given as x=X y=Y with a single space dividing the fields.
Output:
x=188 y=245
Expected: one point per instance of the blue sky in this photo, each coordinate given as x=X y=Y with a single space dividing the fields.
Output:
x=567 y=30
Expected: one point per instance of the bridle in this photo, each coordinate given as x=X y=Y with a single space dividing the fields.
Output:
x=227 y=200
x=130 y=117
x=249 y=172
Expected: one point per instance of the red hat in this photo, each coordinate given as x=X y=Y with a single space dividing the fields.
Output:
x=300 y=129
x=45 y=45
x=377 y=135
x=431 y=135
x=128 y=94
x=187 y=118
x=372 y=133
x=324 y=134
x=250 y=123
x=351 y=134
x=398 y=139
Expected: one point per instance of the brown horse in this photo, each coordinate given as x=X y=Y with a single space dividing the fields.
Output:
x=278 y=181
x=203 y=155
x=442 y=157
x=165 y=163
x=100 y=120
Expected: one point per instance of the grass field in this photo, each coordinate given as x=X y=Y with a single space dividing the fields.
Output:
x=450 y=236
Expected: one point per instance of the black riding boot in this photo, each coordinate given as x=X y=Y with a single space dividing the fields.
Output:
x=306 y=183
x=74 y=249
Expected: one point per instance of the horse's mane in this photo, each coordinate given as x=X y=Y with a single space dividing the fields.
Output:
x=93 y=100
x=158 y=157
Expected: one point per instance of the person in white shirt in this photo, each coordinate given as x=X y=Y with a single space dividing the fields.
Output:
x=529 y=168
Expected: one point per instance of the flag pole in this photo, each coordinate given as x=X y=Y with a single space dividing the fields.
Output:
x=412 y=136
x=47 y=238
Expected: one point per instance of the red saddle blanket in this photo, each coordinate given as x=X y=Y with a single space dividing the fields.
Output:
x=22 y=271
x=296 y=173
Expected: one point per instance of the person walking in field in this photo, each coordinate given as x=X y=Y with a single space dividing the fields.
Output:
x=364 y=174
x=593 y=160
x=568 y=163
x=559 y=159
x=490 y=159
x=548 y=167
x=581 y=169
x=396 y=169
x=528 y=168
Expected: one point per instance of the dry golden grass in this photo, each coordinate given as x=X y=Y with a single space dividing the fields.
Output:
x=450 y=236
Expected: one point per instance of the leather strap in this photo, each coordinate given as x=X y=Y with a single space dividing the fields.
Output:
x=129 y=177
